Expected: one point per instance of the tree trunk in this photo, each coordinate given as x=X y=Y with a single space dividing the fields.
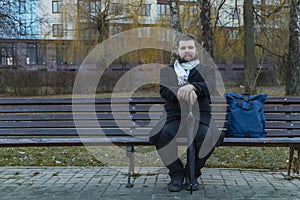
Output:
x=249 y=58
x=206 y=27
x=292 y=71
x=175 y=25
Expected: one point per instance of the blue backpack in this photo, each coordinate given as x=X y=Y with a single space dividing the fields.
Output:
x=246 y=117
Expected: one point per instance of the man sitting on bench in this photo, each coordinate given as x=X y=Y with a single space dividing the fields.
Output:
x=186 y=82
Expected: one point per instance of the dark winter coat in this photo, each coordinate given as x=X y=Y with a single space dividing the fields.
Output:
x=203 y=78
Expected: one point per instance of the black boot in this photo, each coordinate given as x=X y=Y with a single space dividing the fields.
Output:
x=177 y=173
x=176 y=183
x=195 y=184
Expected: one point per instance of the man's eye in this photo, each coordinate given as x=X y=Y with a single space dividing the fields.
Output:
x=191 y=47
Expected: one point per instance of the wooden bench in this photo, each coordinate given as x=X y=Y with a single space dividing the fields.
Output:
x=126 y=122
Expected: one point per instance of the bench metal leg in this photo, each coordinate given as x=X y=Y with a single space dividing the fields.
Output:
x=130 y=155
x=292 y=150
x=296 y=161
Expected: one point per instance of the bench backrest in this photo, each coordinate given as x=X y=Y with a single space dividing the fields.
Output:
x=67 y=117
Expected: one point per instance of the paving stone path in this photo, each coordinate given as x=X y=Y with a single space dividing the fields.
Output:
x=104 y=183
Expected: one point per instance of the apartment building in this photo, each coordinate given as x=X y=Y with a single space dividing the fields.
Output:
x=49 y=33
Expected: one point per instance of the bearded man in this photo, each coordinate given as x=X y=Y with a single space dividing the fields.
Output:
x=186 y=82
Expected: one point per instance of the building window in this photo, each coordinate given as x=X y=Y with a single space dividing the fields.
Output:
x=22 y=6
x=234 y=34
x=164 y=35
x=8 y=54
x=56 y=6
x=31 y=54
x=194 y=10
x=65 y=54
x=116 y=9
x=144 y=33
x=86 y=32
x=115 y=29
x=87 y=8
x=57 y=30
x=36 y=54
x=23 y=29
x=234 y=14
x=163 y=11
x=272 y=2
x=95 y=8
x=256 y=2
x=145 y=10
x=189 y=10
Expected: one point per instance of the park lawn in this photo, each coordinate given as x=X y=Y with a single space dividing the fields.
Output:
x=225 y=157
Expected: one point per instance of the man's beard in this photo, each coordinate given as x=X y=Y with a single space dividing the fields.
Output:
x=182 y=60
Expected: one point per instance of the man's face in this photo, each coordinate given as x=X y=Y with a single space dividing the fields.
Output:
x=187 y=50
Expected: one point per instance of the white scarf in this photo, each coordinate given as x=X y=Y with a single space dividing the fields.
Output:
x=183 y=70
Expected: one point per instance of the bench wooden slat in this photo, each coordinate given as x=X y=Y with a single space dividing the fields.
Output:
x=72 y=132
x=284 y=142
x=79 y=124
x=73 y=141
x=282 y=109
x=271 y=125
x=79 y=108
x=282 y=133
x=269 y=117
x=111 y=132
x=80 y=100
x=282 y=117
x=70 y=117
x=282 y=100
x=281 y=142
x=283 y=125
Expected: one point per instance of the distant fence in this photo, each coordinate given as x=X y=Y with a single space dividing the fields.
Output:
x=232 y=73
x=266 y=75
x=36 y=83
x=17 y=82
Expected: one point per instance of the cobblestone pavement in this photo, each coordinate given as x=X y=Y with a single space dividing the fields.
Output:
x=86 y=183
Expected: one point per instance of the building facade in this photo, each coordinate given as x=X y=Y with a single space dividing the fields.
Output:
x=57 y=34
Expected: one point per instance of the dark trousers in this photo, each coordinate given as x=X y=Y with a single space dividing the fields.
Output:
x=168 y=150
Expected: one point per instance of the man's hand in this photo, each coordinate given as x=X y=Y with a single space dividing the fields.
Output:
x=193 y=97
x=187 y=93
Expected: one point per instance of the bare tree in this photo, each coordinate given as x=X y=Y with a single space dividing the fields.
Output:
x=175 y=25
x=227 y=34
x=99 y=15
x=249 y=58
x=8 y=20
x=293 y=69
x=276 y=44
x=206 y=27
x=18 y=19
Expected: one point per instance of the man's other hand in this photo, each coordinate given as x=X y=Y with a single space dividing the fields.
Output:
x=187 y=93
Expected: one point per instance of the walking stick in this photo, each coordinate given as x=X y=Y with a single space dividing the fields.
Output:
x=191 y=147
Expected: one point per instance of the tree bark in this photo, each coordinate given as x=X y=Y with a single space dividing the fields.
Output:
x=206 y=27
x=249 y=57
x=292 y=71
x=175 y=25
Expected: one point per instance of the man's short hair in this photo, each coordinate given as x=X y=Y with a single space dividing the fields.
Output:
x=185 y=37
